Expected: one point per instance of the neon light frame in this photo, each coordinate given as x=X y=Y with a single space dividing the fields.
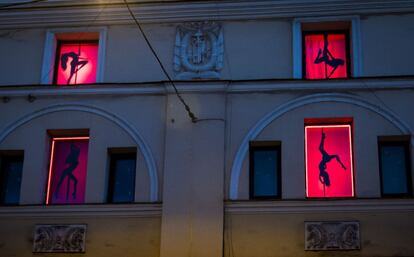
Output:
x=49 y=179
x=350 y=156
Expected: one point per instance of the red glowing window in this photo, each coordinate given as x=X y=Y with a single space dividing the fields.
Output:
x=76 y=63
x=67 y=170
x=326 y=55
x=328 y=156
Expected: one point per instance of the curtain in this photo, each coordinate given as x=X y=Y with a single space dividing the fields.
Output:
x=335 y=56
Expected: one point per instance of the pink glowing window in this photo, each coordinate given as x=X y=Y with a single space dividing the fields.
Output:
x=76 y=62
x=328 y=156
x=326 y=55
x=67 y=170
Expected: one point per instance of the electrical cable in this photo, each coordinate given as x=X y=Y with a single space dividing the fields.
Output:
x=193 y=118
x=22 y=3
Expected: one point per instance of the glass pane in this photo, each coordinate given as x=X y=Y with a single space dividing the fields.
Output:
x=12 y=176
x=329 y=168
x=123 y=183
x=67 y=171
x=265 y=173
x=325 y=56
x=394 y=170
x=77 y=63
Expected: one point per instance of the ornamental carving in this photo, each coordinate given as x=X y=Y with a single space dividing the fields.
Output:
x=337 y=235
x=199 y=49
x=59 y=238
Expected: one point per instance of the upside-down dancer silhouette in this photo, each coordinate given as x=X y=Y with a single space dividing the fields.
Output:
x=75 y=64
x=73 y=160
x=323 y=174
x=326 y=57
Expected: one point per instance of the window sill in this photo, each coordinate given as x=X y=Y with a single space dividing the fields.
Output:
x=320 y=206
x=84 y=210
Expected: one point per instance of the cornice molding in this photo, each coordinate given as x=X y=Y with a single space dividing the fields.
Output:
x=101 y=210
x=320 y=206
x=223 y=86
x=87 y=12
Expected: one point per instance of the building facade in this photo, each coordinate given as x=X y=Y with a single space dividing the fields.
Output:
x=286 y=128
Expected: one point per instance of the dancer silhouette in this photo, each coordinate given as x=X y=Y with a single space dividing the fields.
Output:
x=75 y=64
x=323 y=174
x=326 y=57
x=73 y=160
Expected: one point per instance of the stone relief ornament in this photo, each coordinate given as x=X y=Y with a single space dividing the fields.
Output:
x=337 y=235
x=199 y=50
x=59 y=238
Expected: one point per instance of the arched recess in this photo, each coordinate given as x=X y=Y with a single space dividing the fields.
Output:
x=123 y=124
x=294 y=104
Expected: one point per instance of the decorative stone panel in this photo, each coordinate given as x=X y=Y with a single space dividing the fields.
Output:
x=68 y=238
x=332 y=235
x=199 y=49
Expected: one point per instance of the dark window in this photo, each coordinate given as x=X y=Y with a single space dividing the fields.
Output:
x=326 y=54
x=11 y=176
x=265 y=164
x=76 y=62
x=121 y=187
x=395 y=168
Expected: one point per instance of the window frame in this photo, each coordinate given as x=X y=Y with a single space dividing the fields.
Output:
x=331 y=122
x=327 y=32
x=50 y=48
x=63 y=135
x=396 y=141
x=10 y=155
x=354 y=42
x=119 y=154
x=57 y=57
x=262 y=146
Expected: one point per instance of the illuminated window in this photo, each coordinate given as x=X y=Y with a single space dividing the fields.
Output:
x=11 y=166
x=395 y=165
x=326 y=55
x=328 y=156
x=265 y=164
x=74 y=56
x=76 y=62
x=67 y=170
x=121 y=186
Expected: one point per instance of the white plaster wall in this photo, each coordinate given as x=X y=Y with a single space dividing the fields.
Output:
x=256 y=49
x=264 y=45
x=128 y=57
x=387 y=45
x=32 y=137
x=289 y=128
x=21 y=52
x=282 y=234
x=192 y=220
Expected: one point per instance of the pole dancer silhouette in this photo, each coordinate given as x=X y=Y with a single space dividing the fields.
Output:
x=73 y=160
x=323 y=174
x=75 y=64
x=326 y=57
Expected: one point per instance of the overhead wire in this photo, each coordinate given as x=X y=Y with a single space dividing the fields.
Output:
x=192 y=116
x=21 y=3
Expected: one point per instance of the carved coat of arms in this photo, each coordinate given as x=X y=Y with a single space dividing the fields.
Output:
x=198 y=53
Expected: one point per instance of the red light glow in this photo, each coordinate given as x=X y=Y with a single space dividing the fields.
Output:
x=314 y=48
x=77 y=63
x=329 y=164
x=68 y=163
